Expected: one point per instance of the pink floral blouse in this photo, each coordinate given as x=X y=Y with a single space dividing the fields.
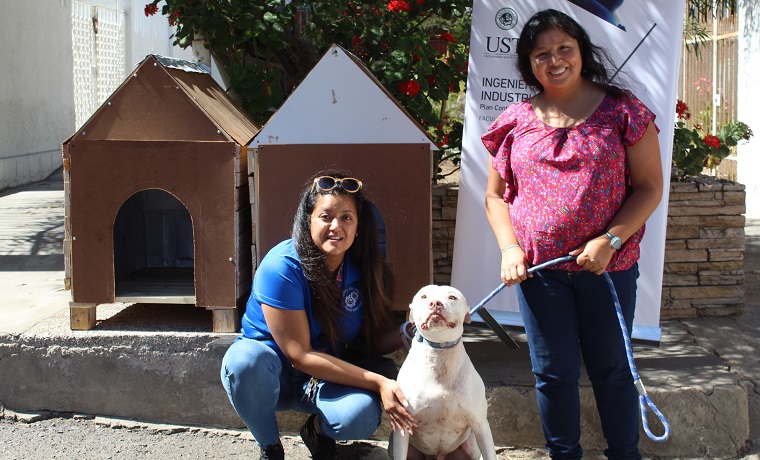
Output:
x=564 y=185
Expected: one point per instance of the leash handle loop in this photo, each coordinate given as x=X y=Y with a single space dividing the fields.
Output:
x=644 y=400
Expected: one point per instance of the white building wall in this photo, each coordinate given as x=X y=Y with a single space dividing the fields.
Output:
x=749 y=100
x=36 y=78
x=148 y=35
x=36 y=88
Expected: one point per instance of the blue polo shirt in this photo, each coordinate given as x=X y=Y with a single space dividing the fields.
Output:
x=280 y=283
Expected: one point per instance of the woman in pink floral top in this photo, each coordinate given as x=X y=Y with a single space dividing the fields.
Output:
x=575 y=170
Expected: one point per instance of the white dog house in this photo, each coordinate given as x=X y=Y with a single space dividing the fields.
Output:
x=340 y=117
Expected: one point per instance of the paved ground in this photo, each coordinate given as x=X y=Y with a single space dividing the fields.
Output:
x=31 y=232
x=31 y=279
x=99 y=438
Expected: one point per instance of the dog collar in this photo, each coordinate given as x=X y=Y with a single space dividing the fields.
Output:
x=418 y=337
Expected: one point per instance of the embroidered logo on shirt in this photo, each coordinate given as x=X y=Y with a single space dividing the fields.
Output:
x=351 y=299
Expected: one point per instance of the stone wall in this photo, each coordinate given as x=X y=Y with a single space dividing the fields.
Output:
x=444 y=221
x=704 y=249
x=704 y=252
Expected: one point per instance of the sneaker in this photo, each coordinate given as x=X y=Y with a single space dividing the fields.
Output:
x=273 y=452
x=321 y=447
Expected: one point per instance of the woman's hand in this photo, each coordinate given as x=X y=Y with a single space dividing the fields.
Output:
x=514 y=266
x=395 y=404
x=594 y=255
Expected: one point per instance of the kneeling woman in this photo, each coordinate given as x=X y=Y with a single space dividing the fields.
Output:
x=316 y=299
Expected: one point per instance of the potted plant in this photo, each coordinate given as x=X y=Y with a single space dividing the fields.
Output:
x=694 y=150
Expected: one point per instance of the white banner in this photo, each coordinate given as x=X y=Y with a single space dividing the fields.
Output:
x=643 y=37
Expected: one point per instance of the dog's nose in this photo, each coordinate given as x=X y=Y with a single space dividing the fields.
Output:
x=436 y=304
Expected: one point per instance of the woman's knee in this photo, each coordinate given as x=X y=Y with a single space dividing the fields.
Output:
x=356 y=416
x=248 y=361
x=556 y=367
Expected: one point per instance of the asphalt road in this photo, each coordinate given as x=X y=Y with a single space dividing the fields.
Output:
x=64 y=436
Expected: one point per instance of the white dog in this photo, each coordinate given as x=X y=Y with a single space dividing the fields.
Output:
x=446 y=395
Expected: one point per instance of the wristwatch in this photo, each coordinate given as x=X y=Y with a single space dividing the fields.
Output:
x=615 y=242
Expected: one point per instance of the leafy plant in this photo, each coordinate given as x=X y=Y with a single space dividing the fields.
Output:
x=417 y=49
x=697 y=17
x=693 y=150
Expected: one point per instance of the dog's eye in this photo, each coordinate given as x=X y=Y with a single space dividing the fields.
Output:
x=452 y=297
x=423 y=296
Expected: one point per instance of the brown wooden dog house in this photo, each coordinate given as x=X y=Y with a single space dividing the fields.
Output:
x=340 y=117
x=157 y=197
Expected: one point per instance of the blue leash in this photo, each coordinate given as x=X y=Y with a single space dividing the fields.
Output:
x=644 y=400
x=530 y=270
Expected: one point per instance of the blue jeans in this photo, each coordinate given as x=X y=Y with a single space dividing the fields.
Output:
x=259 y=383
x=569 y=315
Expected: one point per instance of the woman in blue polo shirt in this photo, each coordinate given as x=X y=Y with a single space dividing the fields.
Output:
x=320 y=302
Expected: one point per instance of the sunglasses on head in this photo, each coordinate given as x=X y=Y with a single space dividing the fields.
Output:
x=327 y=183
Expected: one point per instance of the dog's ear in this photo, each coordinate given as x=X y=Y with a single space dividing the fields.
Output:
x=467 y=318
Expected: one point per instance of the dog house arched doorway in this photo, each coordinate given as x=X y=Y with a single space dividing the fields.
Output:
x=153 y=250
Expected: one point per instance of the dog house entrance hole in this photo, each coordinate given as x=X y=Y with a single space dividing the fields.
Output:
x=153 y=250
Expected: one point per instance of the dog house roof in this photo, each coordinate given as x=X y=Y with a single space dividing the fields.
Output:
x=341 y=102
x=166 y=99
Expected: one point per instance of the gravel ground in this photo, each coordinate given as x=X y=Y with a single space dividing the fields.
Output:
x=63 y=436
x=79 y=437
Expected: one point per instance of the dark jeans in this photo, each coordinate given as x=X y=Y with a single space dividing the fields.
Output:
x=572 y=314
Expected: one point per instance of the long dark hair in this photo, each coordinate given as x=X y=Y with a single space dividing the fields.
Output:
x=596 y=62
x=377 y=282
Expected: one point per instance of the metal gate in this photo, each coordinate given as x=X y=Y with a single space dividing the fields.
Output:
x=98 y=41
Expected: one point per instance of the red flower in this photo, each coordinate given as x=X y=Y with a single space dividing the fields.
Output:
x=409 y=87
x=173 y=17
x=443 y=141
x=357 y=10
x=682 y=110
x=356 y=41
x=150 y=9
x=447 y=37
x=431 y=80
x=420 y=2
x=711 y=141
x=399 y=5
